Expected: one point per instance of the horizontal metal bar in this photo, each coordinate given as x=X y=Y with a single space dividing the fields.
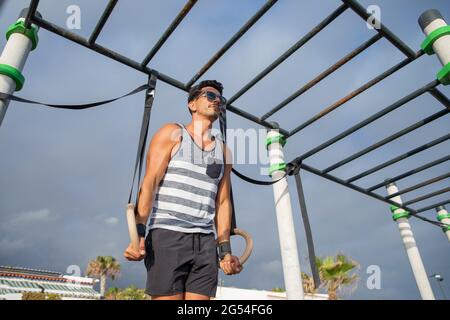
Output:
x=290 y=51
x=31 y=11
x=104 y=51
x=364 y=191
x=135 y=65
x=181 y=15
x=323 y=75
x=355 y=93
x=410 y=173
x=372 y=118
x=255 y=119
x=383 y=30
x=101 y=23
x=388 y=139
x=427 y=196
x=232 y=41
x=440 y=97
x=433 y=206
x=401 y=157
x=420 y=185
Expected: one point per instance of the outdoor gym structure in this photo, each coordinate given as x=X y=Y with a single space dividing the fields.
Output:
x=23 y=37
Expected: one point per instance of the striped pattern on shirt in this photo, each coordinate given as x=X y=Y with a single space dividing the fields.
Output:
x=186 y=196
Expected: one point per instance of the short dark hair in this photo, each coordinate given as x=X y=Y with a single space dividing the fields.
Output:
x=195 y=90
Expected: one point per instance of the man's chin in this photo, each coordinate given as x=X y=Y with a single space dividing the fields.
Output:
x=214 y=115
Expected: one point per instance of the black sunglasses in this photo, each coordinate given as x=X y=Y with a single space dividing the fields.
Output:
x=212 y=96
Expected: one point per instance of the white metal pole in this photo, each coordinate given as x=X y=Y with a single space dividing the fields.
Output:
x=444 y=217
x=401 y=217
x=285 y=221
x=437 y=41
x=20 y=42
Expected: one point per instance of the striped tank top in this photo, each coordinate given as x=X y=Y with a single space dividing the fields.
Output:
x=185 y=199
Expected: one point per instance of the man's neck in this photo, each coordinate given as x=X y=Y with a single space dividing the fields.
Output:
x=200 y=128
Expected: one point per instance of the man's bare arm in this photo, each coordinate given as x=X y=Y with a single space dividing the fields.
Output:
x=229 y=264
x=158 y=158
x=223 y=202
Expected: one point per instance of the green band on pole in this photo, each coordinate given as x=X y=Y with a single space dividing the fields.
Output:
x=277 y=138
x=398 y=215
x=445 y=229
x=427 y=44
x=19 y=27
x=403 y=214
x=444 y=75
x=14 y=74
x=277 y=167
x=441 y=217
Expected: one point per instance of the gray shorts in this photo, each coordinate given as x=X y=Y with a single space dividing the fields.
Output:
x=179 y=262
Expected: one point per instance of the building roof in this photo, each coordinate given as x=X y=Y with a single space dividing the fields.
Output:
x=30 y=271
x=43 y=278
x=14 y=281
x=43 y=275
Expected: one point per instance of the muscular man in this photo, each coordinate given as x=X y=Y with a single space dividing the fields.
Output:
x=187 y=188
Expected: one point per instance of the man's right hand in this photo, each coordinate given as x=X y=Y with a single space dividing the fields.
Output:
x=133 y=255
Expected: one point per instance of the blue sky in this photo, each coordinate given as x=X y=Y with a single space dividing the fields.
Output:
x=65 y=175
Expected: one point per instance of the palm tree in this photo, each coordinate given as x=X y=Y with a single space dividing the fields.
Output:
x=112 y=293
x=308 y=284
x=131 y=293
x=102 y=268
x=335 y=273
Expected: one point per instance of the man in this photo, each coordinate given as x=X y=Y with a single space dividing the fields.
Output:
x=187 y=187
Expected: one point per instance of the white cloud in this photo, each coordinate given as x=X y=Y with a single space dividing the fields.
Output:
x=30 y=217
x=11 y=246
x=271 y=268
x=111 y=220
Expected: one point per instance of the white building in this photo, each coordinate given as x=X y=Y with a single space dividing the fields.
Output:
x=230 y=293
x=14 y=281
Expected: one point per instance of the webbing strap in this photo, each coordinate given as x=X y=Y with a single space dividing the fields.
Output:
x=6 y=96
x=307 y=226
x=149 y=97
x=259 y=182
x=223 y=130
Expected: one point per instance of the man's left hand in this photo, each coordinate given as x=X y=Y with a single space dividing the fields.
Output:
x=230 y=265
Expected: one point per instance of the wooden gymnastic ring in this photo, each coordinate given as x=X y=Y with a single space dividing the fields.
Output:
x=248 y=244
x=132 y=229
